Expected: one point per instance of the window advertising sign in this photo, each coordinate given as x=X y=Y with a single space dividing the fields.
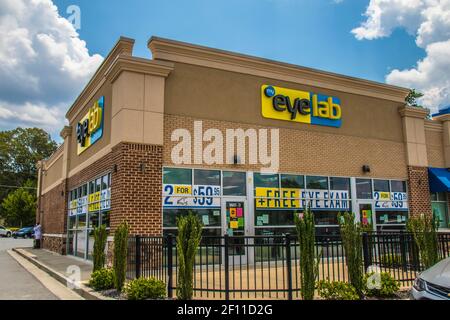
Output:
x=78 y=206
x=235 y=218
x=284 y=198
x=94 y=201
x=105 y=199
x=187 y=196
x=300 y=106
x=366 y=217
x=390 y=200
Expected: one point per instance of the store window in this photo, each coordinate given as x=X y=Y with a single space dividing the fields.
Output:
x=201 y=196
x=439 y=207
x=338 y=183
x=364 y=188
x=234 y=183
x=266 y=180
x=316 y=182
x=292 y=181
x=209 y=217
x=275 y=206
x=207 y=177
x=380 y=185
x=391 y=204
x=398 y=186
x=177 y=176
x=89 y=207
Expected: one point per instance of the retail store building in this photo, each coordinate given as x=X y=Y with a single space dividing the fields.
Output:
x=345 y=144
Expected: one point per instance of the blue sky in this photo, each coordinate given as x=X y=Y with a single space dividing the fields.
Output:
x=45 y=61
x=309 y=33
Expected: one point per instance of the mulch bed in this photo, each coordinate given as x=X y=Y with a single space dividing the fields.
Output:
x=113 y=293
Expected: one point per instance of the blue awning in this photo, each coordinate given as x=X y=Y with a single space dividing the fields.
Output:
x=439 y=179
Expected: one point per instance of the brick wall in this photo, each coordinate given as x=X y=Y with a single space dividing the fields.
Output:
x=53 y=204
x=98 y=168
x=137 y=187
x=53 y=218
x=308 y=152
x=419 y=191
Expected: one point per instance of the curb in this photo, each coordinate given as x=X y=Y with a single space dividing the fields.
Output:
x=84 y=291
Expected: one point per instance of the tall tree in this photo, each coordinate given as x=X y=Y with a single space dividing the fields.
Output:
x=20 y=150
x=19 y=207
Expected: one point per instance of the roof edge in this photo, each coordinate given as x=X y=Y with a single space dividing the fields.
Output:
x=123 y=46
x=167 y=49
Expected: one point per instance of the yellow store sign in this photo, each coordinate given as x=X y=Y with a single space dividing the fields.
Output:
x=300 y=106
x=277 y=198
x=90 y=127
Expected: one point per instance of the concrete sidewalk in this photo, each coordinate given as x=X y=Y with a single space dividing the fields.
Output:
x=61 y=264
x=65 y=269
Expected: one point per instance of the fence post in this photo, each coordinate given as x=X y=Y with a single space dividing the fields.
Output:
x=288 y=265
x=138 y=256
x=227 y=276
x=403 y=250
x=366 y=251
x=169 y=265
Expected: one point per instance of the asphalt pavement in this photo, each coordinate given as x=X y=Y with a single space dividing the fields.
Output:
x=16 y=283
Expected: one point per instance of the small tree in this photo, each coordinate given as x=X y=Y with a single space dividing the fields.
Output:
x=99 y=256
x=19 y=207
x=120 y=255
x=424 y=230
x=188 y=240
x=352 y=242
x=411 y=98
x=309 y=265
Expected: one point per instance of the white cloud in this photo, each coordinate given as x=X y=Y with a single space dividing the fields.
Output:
x=432 y=75
x=429 y=21
x=43 y=64
x=383 y=16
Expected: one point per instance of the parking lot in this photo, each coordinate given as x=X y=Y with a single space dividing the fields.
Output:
x=15 y=282
x=9 y=243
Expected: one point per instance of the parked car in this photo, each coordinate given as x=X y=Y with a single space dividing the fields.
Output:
x=433 y=283
x=4 y=232
x=25 y=233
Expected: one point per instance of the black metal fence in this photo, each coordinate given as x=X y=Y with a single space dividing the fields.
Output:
x=267 y=267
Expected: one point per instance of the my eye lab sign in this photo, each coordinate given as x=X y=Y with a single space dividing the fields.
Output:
x=90 y=127
x=300 y=106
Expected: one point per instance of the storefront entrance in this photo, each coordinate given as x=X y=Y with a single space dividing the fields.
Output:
x=235 y=224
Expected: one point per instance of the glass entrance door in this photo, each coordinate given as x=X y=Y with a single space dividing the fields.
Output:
x=234 y=213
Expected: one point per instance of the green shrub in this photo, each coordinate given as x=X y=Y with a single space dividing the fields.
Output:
x=188 y=240
x=390 y=260
x=145 y=288
x=102 y=279
x=98 y=254
x=388 y=286
x=336 y=290
x=120 y=255
x=309 y=264
x=352 y=243
x=424 y=230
